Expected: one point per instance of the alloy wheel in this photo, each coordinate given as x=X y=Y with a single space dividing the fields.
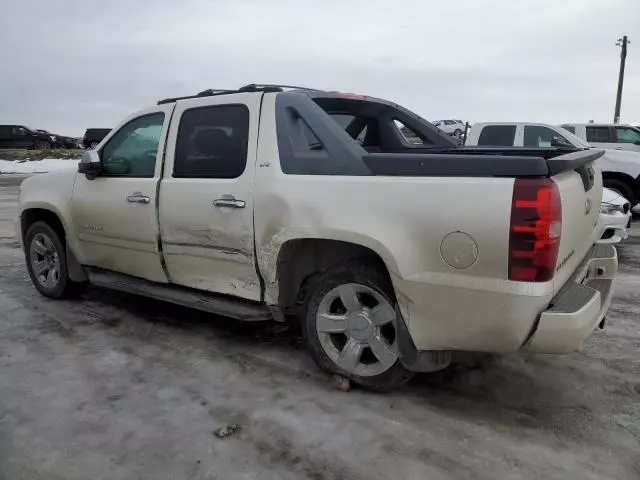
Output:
x=45 y=261
x=356 y=328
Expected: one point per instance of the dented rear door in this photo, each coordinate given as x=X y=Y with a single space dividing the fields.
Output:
x=206 y=195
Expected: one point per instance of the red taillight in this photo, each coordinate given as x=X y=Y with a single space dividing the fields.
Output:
x=536 y=223
x=351 y=96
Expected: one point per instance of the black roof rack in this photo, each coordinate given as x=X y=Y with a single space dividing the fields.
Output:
x=205 y=93
x=252 y=87
x=257 y=87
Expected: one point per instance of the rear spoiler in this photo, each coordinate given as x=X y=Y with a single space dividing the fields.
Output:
x=572 y=161
x=477 y=162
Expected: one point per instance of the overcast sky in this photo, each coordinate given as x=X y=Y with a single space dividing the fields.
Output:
x=71 y=64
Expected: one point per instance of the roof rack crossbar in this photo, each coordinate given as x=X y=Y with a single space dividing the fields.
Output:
x=205 y=93
x=263 y=86
x=252 y=87
x=213 y=91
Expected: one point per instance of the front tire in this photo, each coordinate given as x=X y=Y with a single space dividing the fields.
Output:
x=43 y=145
x=47 y=263
x=350 y=326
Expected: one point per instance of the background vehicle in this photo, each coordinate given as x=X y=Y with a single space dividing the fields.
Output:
x=19 y=136
x=615 y=217
x=611 y=136
x=452 y=127
x=263 y=203
x=60 y=140
x=620 y=169
x=93 y=136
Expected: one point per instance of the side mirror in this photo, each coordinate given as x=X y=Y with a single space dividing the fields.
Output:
x=90 y=164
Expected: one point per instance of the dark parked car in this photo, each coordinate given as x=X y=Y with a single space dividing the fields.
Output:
x=61 y=140
x=18 y=136
x=93 y=136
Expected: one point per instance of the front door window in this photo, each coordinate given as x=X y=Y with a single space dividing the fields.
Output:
x=132 y=151
x=627 y=135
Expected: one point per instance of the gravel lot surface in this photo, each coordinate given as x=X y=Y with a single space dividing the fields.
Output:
x=119 y=387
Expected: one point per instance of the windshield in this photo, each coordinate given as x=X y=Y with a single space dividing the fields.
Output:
x=574 y=139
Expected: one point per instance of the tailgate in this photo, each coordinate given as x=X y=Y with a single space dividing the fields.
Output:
x=580 y=194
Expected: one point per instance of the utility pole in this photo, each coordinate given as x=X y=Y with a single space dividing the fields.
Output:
x=622 y=42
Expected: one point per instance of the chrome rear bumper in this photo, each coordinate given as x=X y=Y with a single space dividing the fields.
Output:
x=579 y=306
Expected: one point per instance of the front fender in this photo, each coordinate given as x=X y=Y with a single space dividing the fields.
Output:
x=52 y=192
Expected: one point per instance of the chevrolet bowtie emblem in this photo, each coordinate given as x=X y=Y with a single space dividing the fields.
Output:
x=587 y=206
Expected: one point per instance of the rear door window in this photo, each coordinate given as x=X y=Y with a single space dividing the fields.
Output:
x=212 y=142
x=497 y=136
x=539 y=136
x=600 y=135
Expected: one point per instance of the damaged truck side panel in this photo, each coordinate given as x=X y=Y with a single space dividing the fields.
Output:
x=207 y=245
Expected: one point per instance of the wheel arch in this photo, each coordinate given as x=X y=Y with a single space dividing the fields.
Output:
x=29 y=216
x=300 y=258
x=628 y=180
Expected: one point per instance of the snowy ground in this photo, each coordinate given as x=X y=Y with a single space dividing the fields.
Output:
x=36 y=166
x=119 y=387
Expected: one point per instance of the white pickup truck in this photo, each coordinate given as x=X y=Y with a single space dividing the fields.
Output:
x=620 y=168
x=607 y=135
x=268 y=203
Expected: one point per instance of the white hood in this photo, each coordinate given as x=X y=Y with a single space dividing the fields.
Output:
x=609 y=196
x=620 y=161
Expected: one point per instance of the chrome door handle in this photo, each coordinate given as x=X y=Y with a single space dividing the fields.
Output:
x=229 y=202
x=138 y=197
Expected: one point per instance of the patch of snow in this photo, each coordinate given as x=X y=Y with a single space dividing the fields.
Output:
x=37 y=166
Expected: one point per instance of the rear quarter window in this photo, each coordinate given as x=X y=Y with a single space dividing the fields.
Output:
x=600 y=134
x=497 y=135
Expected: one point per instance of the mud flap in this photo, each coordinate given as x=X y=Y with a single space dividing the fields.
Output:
x=74 y=269
x=414 y=360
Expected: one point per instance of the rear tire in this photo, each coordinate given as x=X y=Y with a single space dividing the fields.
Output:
x=623 y=188
x=47 y=263
x=356 y=340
